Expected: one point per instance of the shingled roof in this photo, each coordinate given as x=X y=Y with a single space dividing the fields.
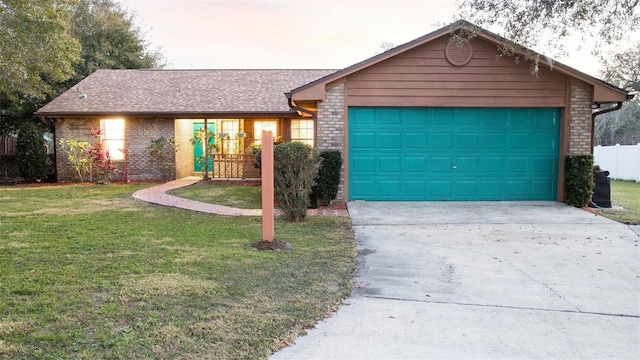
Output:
x=181 y=93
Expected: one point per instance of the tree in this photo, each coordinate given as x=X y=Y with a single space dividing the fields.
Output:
x=622 y=126
x=386 y=46
x=623 y=69
x=109 y=39
x=548 y=23
x=36 y=48
x=47 y=46
x=619 y=127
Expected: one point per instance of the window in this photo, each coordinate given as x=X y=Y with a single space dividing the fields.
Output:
x=112 y=137
x=230 y=143
x=258 y=125
x=302 y=131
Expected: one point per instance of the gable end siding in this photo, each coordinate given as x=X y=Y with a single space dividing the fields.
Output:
x=423 y=77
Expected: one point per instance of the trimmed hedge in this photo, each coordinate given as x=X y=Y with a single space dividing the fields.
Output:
x=295 y=169
x=578 y=184
x=328 y=178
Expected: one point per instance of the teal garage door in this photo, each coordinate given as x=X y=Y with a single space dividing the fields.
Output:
x=453 y=153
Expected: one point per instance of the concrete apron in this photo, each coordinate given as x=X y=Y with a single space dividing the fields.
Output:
x=451 y=280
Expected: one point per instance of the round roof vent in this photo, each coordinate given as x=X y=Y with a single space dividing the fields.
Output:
x=458 y=54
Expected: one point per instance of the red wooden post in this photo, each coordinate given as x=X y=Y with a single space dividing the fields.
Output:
x=267 y=186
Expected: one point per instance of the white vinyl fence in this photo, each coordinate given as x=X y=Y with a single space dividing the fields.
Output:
x=621 y=161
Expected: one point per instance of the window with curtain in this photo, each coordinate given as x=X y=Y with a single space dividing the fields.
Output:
x=258 y=125
x=302 y=131
x=112 y=137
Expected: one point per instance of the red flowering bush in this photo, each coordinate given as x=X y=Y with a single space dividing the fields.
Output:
x=99 y=155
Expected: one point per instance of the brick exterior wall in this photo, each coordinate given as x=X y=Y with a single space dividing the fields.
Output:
x=579 y=131
x=71 y=129
x=330 y=127
x=138 y=135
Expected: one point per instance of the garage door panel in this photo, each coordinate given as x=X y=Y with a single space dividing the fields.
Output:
x=439 y=189
x=416 y=141
x=389 y=117
x=416 y=117
x=467 y=141
x=517 y=165
x=453 y=154
x=363 y=141
x=540 y=189
x=442 y=141
x=363 y=189
x=415 y=188
x=390 y=140
x=389 y=164
x=441 y=164
x=518 y=141
x=490 y=189
x=491 y=165
x=363 y=116
x=363 y=165
x=415 y=164
x=389 y=189
x=466 y=165
x=467 y=188
x=492 y=141
x=544 y=166
x=544 y=141
x=516 y=189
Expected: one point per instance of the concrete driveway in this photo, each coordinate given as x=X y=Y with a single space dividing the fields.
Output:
x=484 y=280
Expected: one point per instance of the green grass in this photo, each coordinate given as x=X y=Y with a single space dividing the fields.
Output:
x=87 y=272
x=238 y=196
x=627 y=195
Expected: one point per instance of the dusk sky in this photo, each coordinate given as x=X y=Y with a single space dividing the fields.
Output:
x=310 y=34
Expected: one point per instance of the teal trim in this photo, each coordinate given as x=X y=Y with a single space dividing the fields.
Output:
x=453 y=153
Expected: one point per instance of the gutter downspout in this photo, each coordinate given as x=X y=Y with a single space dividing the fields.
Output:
x=297 y=108
x=596 y=113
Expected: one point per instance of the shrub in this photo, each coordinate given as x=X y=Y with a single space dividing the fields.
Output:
x=31 y=157
x=100 y=156
x=578 y=179
x=77 y=154
x=328 y=179
x=295 y=169
x=163 y=150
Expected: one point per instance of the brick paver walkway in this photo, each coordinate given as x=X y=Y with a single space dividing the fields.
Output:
x=158 y=195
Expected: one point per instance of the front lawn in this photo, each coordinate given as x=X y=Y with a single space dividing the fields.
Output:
x=86 y=272
x=627 y=195
x=238 y=196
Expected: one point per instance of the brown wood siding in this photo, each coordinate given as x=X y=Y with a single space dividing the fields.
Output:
x=424 y=77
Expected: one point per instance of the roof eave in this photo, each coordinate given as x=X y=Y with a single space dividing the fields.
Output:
x=171 y=115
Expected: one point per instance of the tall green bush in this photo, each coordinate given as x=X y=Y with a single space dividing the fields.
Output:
x=295 y=169
x=31 y=157
x=328 y=179
x=163 y=150
x=578 y=179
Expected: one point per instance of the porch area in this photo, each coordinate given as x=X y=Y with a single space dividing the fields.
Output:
x=234 y=166
x=231 y=144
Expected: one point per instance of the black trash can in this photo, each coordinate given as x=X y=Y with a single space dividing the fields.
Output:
x=602 y=189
